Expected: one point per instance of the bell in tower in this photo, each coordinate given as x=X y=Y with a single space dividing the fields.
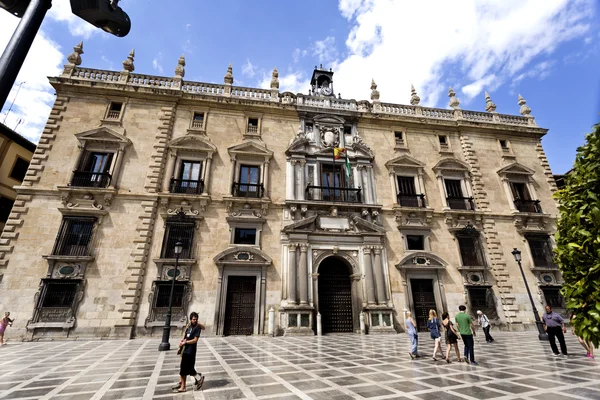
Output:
x=322 y=82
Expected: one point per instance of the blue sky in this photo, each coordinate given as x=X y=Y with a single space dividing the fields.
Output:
x=546 y=50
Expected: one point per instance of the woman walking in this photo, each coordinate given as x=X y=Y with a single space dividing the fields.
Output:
x=433 y=324
x=411 y=329
x=188 y=355
x=588 y=346
x=451 y=337
x=4 y=323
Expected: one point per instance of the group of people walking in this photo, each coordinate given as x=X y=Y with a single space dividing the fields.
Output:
x=464 y=329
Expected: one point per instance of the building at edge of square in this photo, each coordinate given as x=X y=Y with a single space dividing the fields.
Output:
x=420 y=211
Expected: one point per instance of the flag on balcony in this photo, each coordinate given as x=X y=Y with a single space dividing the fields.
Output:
x=348 y=167
x=338 y=152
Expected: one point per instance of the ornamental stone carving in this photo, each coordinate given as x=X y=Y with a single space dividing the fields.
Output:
x=75 y=57
x=330 y=136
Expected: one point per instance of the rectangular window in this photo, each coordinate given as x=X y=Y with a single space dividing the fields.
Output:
x=443 y=140
x=309 y=126
x=6 y=205
x=19 y=169
x=482 y=298
x=399 y=137
x=519 y=191
x=198 y=120
x=470 y=251
x=252 y=125
x=347 y=130
x=189 y=178
x=163 y=293
x=74 y=236
x=114 y=111
x=407 y=192
x=455 y=197
x=244 y=236
x=93 y=170
x=415 y=242
x=249 y=182
x=553 y=297
x=541 y=250
x=178 y=231
x=59 y=293
x=503 y=144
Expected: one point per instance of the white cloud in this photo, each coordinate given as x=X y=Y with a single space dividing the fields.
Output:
x=297 y=54
x=34 y=101
x=248 y=69
x=157 y=63
x=61 y=11
x=325 y=50
x=435 y=44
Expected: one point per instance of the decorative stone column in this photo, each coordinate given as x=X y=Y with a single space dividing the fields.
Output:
x=290 y=181
x=301 y=191
x=394 y=188
x=365 y=188
x=379 y=278
x=508 y=193
x=368 y=275
x=303 y=272
x=292 y=299
x=169 y=172
x=266 y=178
x=440 y=179
x=207 y=174
x=232 y=175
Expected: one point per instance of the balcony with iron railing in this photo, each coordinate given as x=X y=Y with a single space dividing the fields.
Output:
x=461 y=203
x=186 y=186
x=91 y=179
x=529 y=206
x=411 y=200
x=333 y=194
x=248 y=190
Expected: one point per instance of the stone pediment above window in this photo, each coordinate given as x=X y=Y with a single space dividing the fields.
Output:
x=450 y=164
x=193 y=143
x=515 y=169
x=243 y=256
x=250 y=149
x=350 y=225
x=404 y=162
x=105 y=136
x=421 y=260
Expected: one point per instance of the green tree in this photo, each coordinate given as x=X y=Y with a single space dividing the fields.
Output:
x=578 y=238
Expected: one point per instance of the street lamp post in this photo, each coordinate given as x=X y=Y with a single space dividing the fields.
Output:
x=541 y=334
x=165 y=345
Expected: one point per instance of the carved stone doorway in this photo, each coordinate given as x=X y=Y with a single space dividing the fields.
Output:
x=335 y=296
x=240 y=305
x=424 y=300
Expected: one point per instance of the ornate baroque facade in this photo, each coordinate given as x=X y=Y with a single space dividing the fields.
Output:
x=421 y=212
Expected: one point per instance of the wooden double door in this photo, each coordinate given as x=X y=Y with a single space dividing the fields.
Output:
x=335 y=297
x=240 y=306
x=423 y=301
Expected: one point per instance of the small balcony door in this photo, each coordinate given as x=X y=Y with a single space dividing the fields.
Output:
x=189 y=178
x=332 y=176
x=249 y=182
x=407 y=192
x=93 y=170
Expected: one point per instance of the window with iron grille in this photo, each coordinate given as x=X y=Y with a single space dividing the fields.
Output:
x=74 y=236
x=163 y=292
x=541 y=250
x=59 y=293
x=470 y=250
x=453 y=188
x=482 y=298
x=178 y=230
x=553 y=297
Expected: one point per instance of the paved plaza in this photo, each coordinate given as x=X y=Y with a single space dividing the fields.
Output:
x=517 y=366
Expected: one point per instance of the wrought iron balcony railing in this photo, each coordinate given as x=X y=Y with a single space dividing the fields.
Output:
x=530 y=206
x=186 y=186
x=252 y=190
x=334 y=194
x=461 y=203
x=411 y=200
x=90 y=179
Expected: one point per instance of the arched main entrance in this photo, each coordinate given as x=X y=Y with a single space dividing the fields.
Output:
x=335 y=296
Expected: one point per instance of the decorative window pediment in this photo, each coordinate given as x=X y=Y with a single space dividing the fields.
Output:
x=404 y=162
x=353 y=224
x=243 y=256
x=250 y=148
x=195 y=143
x=421 y=260
x=105 y=136
x=515 y=169
x=450 y=164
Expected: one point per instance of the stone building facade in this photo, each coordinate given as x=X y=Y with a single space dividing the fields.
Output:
x=421 y=211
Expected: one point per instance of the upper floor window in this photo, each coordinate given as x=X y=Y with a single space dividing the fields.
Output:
x=244 y=236
x=248 y=184
x=541 y=250
x=74 y=236
x=197 y=120
x=455 y=195
x=444 y=143
x=93 y=170
x=407 y=192
x=19 y=169
x=522 y=198
x=407 y=181
x=114 y=110
x=178 y=229
x=415 y=242
x=470 y=250
x=252 y=125
x=399 y=138
x=455 y=184
x=189 y=178
x=553 y=297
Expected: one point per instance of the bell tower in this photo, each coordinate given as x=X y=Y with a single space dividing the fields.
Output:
x=322 y=82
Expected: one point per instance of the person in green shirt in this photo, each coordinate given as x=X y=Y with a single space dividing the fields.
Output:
x=467 y=331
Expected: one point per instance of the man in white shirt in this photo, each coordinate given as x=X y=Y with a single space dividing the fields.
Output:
x=485 y=325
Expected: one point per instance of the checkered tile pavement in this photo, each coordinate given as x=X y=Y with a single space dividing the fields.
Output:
x=516 y=366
